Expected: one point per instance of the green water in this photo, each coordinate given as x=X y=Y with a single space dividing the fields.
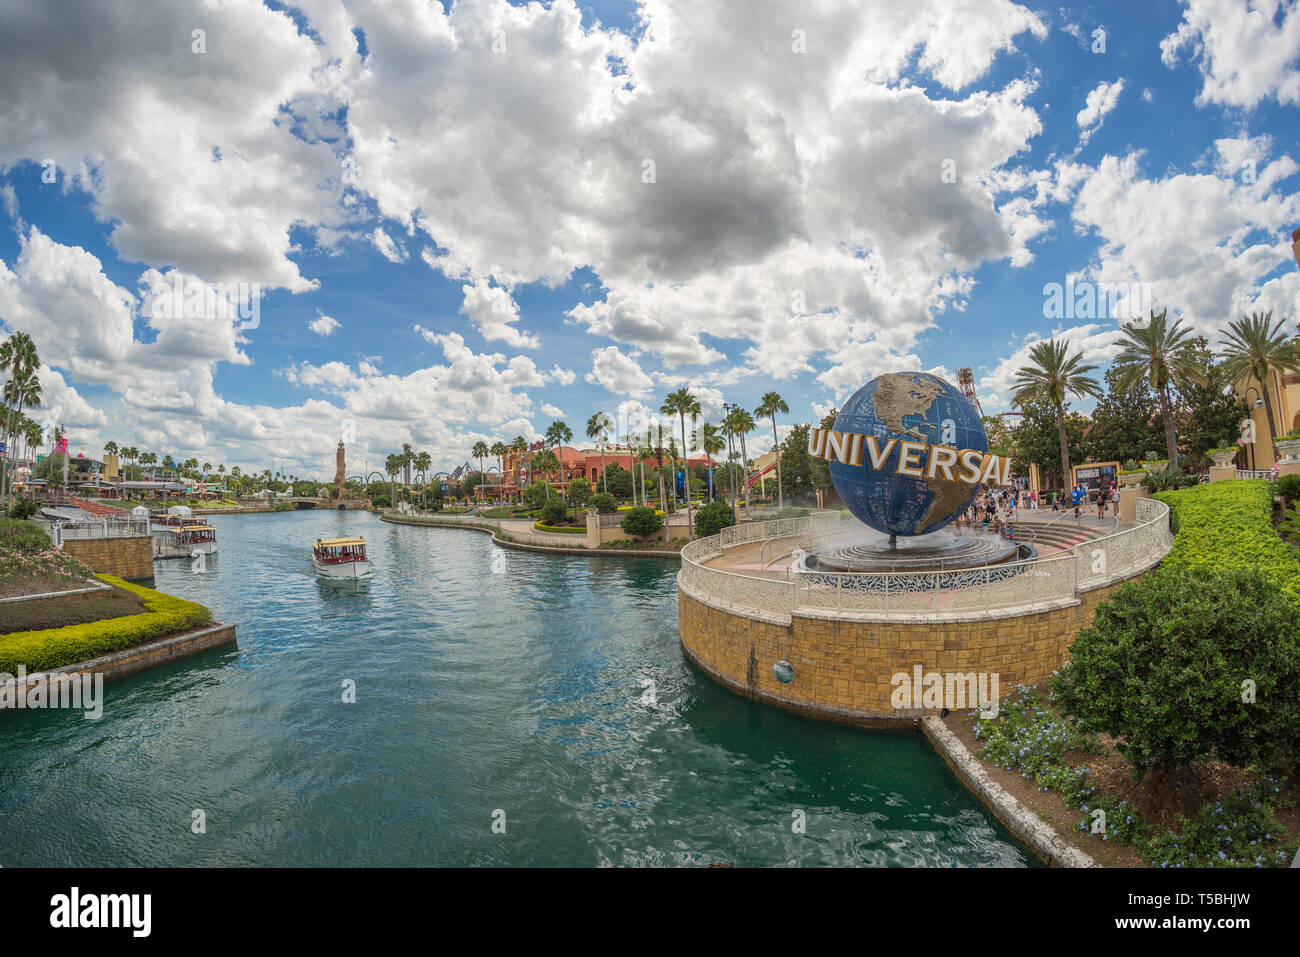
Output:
x=478 y=691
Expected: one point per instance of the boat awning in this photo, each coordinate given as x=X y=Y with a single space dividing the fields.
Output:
x=336 y=542
x=193 y=528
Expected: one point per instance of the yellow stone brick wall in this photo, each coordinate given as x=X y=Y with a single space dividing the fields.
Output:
x=129 y=558
x=843 y=669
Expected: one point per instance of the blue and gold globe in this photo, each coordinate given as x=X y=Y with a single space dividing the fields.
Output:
x=907 y=407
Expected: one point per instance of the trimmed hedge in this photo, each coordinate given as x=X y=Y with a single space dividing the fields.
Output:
x=56 y=647
x=565 y=529
x=1229 y=525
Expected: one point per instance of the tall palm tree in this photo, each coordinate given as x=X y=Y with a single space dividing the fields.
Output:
x=557 y=434
x=655 y=440
x=1254 y=347
x=546 y=462
x=423 y=462
x=742 y=423
x=33 y=436
x=393 y=463
x=479 y=451
x=150 y=459
x=519 y=445
x=598 y=429
x=682 y=403
x=25 y=389
x=772 y=404
x=500 y=449
x=18 y=359
x=708 y=439
x=1161 y=354
x=1052 y=375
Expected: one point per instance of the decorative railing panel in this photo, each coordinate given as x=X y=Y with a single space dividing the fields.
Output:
x=1011 y=585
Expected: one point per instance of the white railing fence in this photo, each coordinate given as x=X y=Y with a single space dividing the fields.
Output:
x=106 y=527
x=1015 y=584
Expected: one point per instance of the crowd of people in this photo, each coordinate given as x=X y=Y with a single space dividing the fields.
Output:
x=996 y=509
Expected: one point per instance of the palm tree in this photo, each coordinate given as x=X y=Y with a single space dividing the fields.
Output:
x=742 y=423
x=500 y=450
x=519 y=445
x=708 y=439
x=1049 y=378
x=772 y=404
x=423 y=462
x=557 y=434
x=598 y=428
x=19 y=360
x=1161 y=354
x=479 y=451
x=1252 y=349
x=655 y=441
x=26 y=388
x=33 y=436
x=546 y=462
x=682 y=403
x=149 y=459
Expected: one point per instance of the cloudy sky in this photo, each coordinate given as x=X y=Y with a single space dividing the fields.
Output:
x=444 y=222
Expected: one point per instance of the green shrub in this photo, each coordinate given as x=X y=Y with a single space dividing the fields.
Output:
x=1290 y=527
x=536 y=494
x=554 y=511
x=1288 y=486
x=22 y=508
x=1163 y=667
x=565 y=529
x=713 y=518
x=641 y=521
x=1230 y=525
x=790 y=511
x=56 y=647
x=21 y=536
x=1168 y=480
x=604 y=503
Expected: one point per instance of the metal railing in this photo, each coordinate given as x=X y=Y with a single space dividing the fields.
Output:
x=1009 y=585
x=105 y=527
x=1255 y=474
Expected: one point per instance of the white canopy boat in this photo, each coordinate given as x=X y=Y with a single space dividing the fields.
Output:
x=184 y=540
x=340 y=558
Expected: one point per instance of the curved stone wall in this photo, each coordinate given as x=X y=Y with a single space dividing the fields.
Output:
x=843 y=668
x=844 y=660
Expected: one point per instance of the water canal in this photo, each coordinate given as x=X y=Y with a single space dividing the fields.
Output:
x=482 y=686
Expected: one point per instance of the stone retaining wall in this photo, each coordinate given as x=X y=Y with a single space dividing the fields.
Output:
x=130 y=558
x=150 y=654
x=1037 y=835
x=843 y=668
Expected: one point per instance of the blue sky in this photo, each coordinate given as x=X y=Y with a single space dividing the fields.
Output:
x=454 y=236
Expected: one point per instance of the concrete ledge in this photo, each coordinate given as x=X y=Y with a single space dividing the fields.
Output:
x=1037 y=835
x=94 y=587
x=119 y=664
x=525 y=547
